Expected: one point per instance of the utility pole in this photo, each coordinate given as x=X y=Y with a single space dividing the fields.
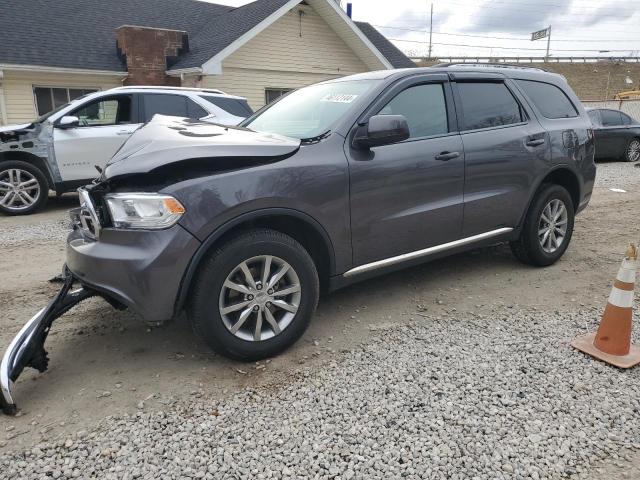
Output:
x=546 y=58
x=430 y=31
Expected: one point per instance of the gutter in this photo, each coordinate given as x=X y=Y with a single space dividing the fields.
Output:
x=42 y=68
x=184 y=71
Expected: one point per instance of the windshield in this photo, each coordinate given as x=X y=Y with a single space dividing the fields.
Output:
x=310 y=111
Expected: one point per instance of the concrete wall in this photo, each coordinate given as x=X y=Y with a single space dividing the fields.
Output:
x=592 y=80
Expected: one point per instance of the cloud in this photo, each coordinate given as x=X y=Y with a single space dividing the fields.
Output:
x=515 y=17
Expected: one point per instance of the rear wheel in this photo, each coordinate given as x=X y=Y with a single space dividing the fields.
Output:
x=255 y=295
x=632 y=153
x=547 y=229
x=23 y=188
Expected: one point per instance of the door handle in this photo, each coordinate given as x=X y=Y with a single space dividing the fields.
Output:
x=445 y=156
x=535 y=142
x=123 y=132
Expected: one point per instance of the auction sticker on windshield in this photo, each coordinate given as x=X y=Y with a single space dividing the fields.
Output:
x=339 y=98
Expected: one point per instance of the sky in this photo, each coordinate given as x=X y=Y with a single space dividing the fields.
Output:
x=503 y=27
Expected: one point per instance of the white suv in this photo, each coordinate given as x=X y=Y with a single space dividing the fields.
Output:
x=61 y=150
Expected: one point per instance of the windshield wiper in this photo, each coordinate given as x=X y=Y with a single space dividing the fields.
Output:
x=316 y=139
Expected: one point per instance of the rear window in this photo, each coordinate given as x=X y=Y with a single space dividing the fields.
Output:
x=551 y=101
x=487 y=105
x=234 y=106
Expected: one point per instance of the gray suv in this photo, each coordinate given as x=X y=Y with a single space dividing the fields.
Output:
x=242 y=227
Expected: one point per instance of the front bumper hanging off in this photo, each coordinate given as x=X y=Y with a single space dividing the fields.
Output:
x=27 y=348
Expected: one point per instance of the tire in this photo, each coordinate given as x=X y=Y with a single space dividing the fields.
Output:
x=632 y=153
x=529 y=248
x=27 y=199
x=210 y=295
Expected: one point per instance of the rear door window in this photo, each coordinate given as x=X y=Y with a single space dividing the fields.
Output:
x=550 y=100
x=487 y=104
x=158 y=103
x=194 y=110
x=611 y=118
x=424 y=108
x=235 y=106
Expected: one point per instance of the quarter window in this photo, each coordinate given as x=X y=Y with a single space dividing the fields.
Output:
x=486 y=105
x=50 y=98
x=105 y=111
x=424 y=108
x=548 y=99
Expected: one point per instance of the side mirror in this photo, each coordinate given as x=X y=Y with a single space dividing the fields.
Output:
x=68 y=121
x=382 y=130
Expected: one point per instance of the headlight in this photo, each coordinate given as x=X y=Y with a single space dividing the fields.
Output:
x=150 y=211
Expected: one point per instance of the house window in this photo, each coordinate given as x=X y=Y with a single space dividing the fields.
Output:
x=50 y=98
x=272 y=94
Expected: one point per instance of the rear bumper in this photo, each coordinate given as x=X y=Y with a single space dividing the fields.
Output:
x=140 y=269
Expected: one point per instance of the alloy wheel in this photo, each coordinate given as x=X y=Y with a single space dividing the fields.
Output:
x=19 y=189
x=633 y=151
x=552 y=226
x=260 y=298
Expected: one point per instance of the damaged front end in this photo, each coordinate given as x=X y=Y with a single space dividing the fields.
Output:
x=27 y=348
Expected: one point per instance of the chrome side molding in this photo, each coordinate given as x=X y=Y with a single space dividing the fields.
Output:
x=387 y=262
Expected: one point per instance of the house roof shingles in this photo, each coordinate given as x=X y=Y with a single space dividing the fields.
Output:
x=81 y=33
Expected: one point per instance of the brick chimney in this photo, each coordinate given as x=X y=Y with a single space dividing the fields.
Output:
x=149 y=52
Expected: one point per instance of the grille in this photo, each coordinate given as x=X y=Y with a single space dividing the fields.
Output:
x=86 y=215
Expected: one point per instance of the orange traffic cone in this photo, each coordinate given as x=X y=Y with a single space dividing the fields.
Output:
x=612 y=342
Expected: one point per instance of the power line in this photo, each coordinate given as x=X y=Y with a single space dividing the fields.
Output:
x=499 y=38
x=529 y=7
x=510 y=48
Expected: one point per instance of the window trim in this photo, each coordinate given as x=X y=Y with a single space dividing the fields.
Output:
x=35 y=101
x=535 y=107
x=524 y=113
x=133 y=120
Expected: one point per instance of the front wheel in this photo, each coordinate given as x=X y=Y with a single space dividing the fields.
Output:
x=255 y=295
x=547 y=229
x=23 y=188
x=632 y=154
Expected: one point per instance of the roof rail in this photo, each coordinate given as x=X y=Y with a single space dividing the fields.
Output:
x=487 y=65
x=162 y=87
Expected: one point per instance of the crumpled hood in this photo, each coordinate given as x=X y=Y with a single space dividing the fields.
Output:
x=16 y=128
x=167 y=140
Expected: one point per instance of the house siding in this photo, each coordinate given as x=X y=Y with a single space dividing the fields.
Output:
x=18 y=90
x=293 y=52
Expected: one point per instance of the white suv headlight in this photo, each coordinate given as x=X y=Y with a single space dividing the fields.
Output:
x=149 y=211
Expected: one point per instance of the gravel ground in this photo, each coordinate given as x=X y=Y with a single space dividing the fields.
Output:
x=492 y=396
x=36 y=233
x=469 y=388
